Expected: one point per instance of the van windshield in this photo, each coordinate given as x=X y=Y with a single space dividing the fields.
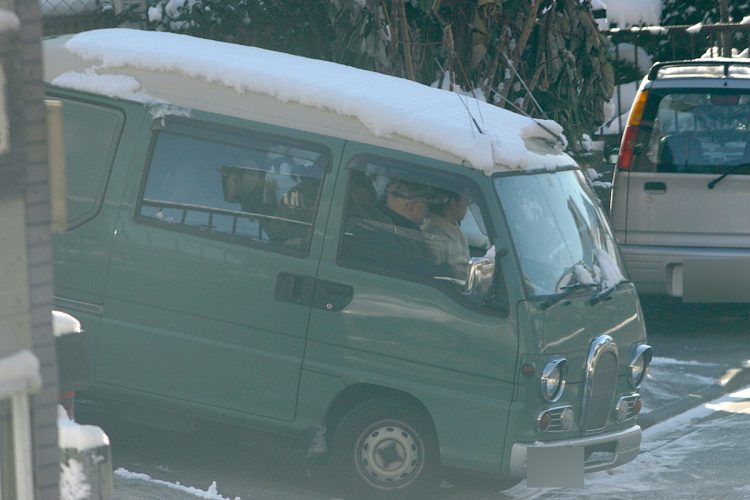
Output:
x=560 y=233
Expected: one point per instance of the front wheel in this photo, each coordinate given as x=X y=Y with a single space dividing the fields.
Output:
x=387 y=448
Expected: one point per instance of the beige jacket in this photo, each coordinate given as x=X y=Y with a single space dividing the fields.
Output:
x=446 y=240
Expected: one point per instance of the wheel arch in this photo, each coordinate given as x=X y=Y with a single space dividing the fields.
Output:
x=353 y=395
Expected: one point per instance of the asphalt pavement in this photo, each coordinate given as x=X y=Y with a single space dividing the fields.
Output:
x=701 y=351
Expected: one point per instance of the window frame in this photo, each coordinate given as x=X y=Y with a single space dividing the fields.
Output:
x=648 y=129
x=496 y=305
x=91 y=214
x=235 y=136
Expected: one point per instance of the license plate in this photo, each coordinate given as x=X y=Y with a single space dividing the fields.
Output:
x=554 y=467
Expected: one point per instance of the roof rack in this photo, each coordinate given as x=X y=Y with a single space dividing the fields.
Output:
x=708 y=62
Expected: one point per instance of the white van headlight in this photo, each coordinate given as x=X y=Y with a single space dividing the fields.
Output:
x=640 y=358
x=553 y=379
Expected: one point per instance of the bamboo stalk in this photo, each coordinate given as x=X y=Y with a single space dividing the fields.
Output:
x=528 y=27
x=407 y=42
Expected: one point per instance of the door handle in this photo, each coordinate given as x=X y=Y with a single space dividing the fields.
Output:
x=294 y=288
x=332 y=296
x=657 y=187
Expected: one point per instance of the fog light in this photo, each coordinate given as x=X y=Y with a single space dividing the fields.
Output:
x=622 y=410
x=544 y=420
x=567 y=418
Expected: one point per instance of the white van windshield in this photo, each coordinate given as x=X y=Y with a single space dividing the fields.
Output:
x=559 y=232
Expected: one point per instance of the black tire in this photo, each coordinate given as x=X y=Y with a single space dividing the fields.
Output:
x=386 y=449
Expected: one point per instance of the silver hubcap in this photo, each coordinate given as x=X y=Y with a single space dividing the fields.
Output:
x=389 y=456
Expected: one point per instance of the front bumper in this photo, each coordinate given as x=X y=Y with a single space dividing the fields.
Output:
x=693 y=274
x=604 y=451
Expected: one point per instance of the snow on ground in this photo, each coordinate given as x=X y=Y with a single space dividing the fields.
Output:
x=211 y=493
x=623 y=96
x=384 y=104
x=634 y=55
x=671 y=362
x=626 y=13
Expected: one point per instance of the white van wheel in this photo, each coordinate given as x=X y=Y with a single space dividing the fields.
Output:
x=387 y=448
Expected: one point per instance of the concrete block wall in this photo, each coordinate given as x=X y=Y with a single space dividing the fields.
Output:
x=24 y=172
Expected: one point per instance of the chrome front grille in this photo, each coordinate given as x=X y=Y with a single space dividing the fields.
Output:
x=600 y=384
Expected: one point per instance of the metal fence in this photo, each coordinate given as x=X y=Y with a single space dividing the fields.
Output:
x=72 y=16
x=57 y=8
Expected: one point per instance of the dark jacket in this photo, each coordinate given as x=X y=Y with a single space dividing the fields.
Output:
x=387 y=242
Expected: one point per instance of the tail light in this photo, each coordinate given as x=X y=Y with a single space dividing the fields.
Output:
x=627 y=146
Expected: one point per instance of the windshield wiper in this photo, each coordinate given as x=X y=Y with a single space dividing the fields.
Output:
x=732 y=170
x=605 y=294
x=566 y=291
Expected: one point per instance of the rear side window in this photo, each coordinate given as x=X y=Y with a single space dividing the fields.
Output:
x=234 y=185
x=92 y=134
x=698 y=131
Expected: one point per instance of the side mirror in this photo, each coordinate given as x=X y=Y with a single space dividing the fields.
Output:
x=479 y=275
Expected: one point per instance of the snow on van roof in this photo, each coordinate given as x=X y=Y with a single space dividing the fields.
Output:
x=710 y=70
x=388 y=106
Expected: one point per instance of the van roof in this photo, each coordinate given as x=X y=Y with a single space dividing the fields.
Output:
x=170 y=71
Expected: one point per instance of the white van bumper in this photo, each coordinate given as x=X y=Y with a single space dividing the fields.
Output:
x=603 y=451
x=694 y=274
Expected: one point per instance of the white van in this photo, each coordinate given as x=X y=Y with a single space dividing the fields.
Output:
x=682 y=184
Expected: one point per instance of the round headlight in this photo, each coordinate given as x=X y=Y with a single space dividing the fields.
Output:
x=639 y=361
x=553 y=379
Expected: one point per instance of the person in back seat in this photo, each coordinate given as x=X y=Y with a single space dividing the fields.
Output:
x=244 y=185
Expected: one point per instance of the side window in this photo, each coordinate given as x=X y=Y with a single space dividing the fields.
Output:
x=243 y=188
x=92 y=134
x=411 y=223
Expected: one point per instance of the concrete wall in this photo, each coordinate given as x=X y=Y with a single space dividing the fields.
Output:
x=24 y=189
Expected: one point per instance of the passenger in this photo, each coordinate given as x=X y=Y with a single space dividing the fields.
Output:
x=291 y=224
x=244 y=185
x=446 y=239
x=363 y=199
x=393 y=239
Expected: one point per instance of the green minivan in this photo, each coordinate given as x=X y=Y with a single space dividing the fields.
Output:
x=410 y=281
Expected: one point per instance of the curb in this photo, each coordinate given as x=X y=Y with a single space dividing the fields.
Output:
x=732 y=380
